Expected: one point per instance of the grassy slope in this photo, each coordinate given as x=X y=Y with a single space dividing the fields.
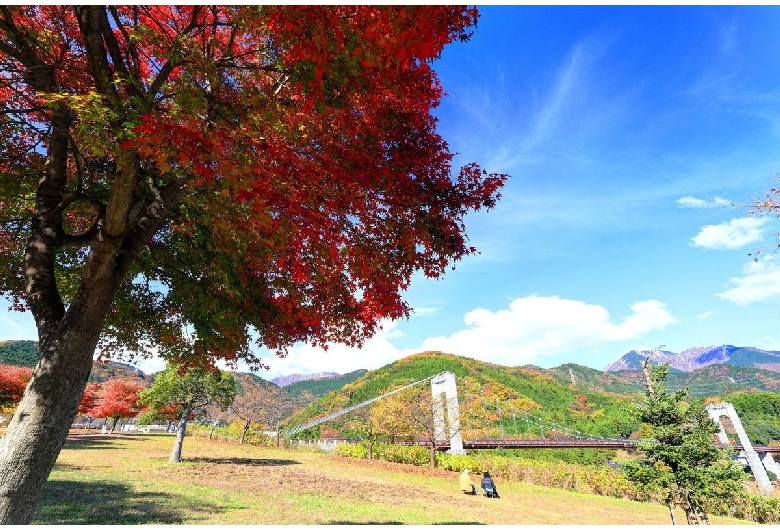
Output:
x=126 y=479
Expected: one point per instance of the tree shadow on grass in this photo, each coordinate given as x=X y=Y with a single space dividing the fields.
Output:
x=102 y=502
x=265 y=462
x=96 y=441
x=362 y=523
x=399 y=523
x=87 y=442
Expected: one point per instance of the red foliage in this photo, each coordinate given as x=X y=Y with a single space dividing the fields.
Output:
x=118 y=400
x=89 y=399
x=296 y=146
x=13 y=381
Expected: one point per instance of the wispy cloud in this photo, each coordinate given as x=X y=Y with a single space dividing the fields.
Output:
x=549 y=121
x=707 y=314
x=693 y=202
x=760 y=281
x=731 y=235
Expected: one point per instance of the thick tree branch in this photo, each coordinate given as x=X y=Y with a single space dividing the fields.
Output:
x=89 y=18
x=131 y=83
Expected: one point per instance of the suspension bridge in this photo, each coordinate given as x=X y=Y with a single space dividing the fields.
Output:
x=520 y=429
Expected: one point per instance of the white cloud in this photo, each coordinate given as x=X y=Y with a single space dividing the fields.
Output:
x=693 y=202
x=707 y=314
x=731 y=235
x=422 y=311
x=530 y=328
x=534 y=327
x=760 y=281
x=304 y=359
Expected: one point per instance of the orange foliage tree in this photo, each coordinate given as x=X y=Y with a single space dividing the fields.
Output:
x=119 y=400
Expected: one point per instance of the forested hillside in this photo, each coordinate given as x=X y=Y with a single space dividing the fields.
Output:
x=714 y=380
x=19 y=352
x=598 y=413
x=102 y=372
x=759 y=413
x=320 y=387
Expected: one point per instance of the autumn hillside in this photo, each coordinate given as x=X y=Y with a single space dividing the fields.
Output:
x=593 y=411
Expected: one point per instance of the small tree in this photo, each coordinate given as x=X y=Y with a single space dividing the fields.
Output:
x=263 y=403
x=679 y=454
x=418 y=413
x=119 y=400
x=191 y=389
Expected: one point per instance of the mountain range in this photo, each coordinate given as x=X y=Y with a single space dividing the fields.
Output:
x=705 y=371
x=699 y=357
x=287 y=380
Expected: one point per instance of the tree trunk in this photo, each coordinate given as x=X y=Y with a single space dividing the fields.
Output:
x=698 y=511
x=690 y=515
x=244 y=431
x=176 y=453
x=38 y=429
x=433 y=455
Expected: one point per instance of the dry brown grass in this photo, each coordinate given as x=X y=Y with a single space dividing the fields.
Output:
x=127 y=479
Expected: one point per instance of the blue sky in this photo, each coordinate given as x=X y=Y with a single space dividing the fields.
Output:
x=637 y=138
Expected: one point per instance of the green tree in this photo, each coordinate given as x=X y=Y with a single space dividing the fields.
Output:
x=191 y=389
x=678 y=454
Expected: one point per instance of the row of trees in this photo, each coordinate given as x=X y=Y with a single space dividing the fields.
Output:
x=177 y=394
x=112 y=400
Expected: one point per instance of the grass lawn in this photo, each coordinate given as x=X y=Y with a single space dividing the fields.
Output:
x=127 y=479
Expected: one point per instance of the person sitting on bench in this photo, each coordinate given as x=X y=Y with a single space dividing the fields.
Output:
x=489 y=486
x=466 y=485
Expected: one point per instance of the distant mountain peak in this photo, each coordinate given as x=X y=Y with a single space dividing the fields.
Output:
x=287 y=380
x=701 y=356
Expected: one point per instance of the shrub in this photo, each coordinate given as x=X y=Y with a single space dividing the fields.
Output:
x=351 y=450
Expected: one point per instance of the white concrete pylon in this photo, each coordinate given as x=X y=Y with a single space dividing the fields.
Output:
x=756 y=466
x=443 y=384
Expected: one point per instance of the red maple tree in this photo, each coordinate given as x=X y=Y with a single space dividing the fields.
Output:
x=119 y=400
x=276 y=169
x=13 y=381
x=89 y=400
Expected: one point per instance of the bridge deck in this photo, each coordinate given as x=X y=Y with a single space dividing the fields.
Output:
x=564 y=443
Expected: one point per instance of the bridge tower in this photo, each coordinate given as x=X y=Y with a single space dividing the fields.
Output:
x=445 y=392
x=755 y=463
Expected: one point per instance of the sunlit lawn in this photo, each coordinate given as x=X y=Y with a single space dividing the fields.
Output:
x=127 y=479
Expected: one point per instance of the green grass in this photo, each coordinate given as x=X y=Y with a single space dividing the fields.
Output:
x=126 y=479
